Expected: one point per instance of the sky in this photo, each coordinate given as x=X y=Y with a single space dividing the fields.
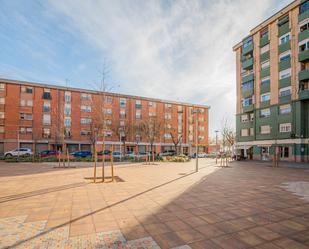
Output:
x=169 y=49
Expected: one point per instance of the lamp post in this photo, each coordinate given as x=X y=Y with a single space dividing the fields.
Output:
x=197 y=111
x=216 y=145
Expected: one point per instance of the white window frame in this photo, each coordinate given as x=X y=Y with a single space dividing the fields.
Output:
x=265 y=129
x=286 y=73
x=285 y=128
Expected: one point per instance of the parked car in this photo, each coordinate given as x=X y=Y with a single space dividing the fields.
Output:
x=105 y=152
x=168 y=153
x=47 y=153
x=81 y=153
x=200 y=155
x=130 y=154
x=19 y=152
x=117 y=154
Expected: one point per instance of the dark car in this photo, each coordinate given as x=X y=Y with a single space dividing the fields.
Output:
x=105 y=152
x=47 y=153
x=82 y=153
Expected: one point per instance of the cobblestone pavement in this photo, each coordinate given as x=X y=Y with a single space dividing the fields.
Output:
x=167 y=205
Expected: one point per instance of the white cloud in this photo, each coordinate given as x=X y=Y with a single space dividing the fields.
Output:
x=179 y=50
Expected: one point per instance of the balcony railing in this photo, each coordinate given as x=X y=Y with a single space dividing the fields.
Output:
x=303 y=56
x=285 y=82
x=284 y=47
x=248 y=108
x=304 y=94
x=303 y=16
x=303 y=35
x=247 y=49
x=303 y=75
x=247 y=64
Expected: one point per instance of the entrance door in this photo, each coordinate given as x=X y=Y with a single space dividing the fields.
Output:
x=265 y=153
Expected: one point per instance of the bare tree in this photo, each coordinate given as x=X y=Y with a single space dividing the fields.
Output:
x=123 y=132
x=176 y=138
x=228 y=134
x=151 y=130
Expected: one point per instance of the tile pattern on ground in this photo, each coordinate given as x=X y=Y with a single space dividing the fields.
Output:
x=14 y=231
x=298 y=188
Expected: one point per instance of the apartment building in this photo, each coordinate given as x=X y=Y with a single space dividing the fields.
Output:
x=272 y=66
x=42 y=117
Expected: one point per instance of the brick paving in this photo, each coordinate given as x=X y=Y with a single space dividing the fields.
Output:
x=167 y=205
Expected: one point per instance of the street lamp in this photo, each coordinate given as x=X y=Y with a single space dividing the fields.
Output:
x=216 y=145
x=196 y=111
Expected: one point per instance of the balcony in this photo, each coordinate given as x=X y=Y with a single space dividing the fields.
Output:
x=247 y=50
x=303 y=35
x=264 y=41
x=247 y=78
x=285 y=99
x=285 y=118
x=284 y=47
x=265 y=104
x=265 y=72
x=285 y=82
x=303 y=56
x=283 y=29
x=248 y=108
x=247 y=64
x=284 y=65
x=265 y=88
x=264 y=56
x=138 y=106
x=247 y=93
x=303 y=75
x=304 y=94
x=303 y=16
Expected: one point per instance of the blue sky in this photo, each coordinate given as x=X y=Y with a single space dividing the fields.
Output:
x=178 y=50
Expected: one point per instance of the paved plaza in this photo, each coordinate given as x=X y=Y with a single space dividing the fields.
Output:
x=167 y=205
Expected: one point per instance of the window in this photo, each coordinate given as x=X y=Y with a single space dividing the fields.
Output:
x=265 y=80
x=286 y=127
x=108 y=99
x=1 y=129
x=25 y=116
x=201 y=128
x=85 y=133
x=1 y=115
x=26 y=89
x=138 y=114
x=167 y=135
x=264 y=33
x=251 y=131
x=244 y=118
x=303 y=7
x=247 y=86
x=265 y=64
x=122 y=114
x=108 y=133
x=67 y=122
x=108 y=122
x=85 y=121
x=46 y=119
x=244 y=133
x=138 y=102
x=28 y=103
x=46 y=94
x=284 y=152
x=122 y=102
x=284 y=39
x=2 y=87
x=247 y=42
x=265 y=113
x=167 y=106
x=285 y=74
x=265 y=49
x=46 y=106
x=85 y=108
x=247 y=102
x=25 y=130
x=283 y=20
x=67 y=109
x=251 y=117
x=46 y=132
x=265 y=129
x=67 y=132
x=67 y=97
x=286 y=56
x=265 y=97
x=108 y=111
x=168 y=116
x=304 y=45
x=152 y=114
x=286 y=91
x=304 y=25
x=285 y=109
x=85 y=96
x=2 y=100
x=152 y=104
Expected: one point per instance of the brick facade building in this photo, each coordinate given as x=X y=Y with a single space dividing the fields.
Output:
x=41 y=117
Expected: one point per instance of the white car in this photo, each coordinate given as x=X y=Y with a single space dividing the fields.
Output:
x=18 y=152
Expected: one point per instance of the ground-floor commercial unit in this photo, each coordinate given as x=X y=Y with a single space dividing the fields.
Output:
x=287 y=133
x=48 y=117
